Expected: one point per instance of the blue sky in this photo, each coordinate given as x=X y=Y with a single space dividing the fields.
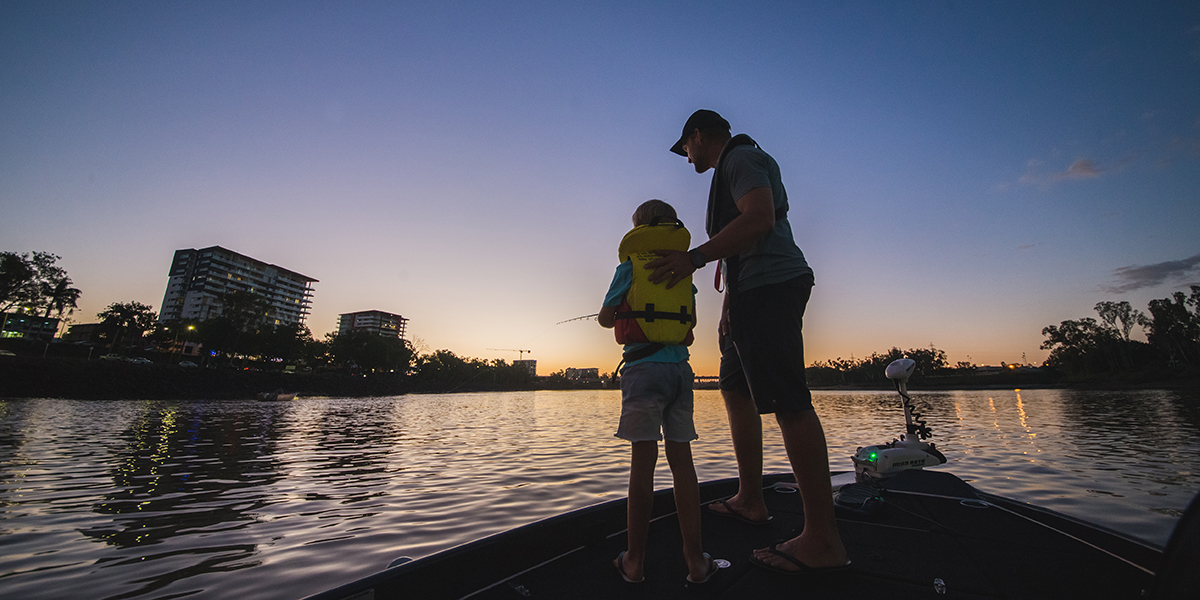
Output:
x=960 y=173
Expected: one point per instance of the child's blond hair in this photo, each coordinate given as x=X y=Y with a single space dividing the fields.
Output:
x=653 y=208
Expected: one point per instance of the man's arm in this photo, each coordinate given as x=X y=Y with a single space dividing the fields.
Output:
x=758 y=217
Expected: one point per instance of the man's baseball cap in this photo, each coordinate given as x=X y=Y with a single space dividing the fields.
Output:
x=701 y=119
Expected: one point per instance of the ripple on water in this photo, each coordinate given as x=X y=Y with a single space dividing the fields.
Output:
x=279 y=500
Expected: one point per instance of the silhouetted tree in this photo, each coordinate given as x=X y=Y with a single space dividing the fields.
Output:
x=15 y=275
x=371 y=352
x=1113 y=312
x=60 y=297
x=125 y=321
x=1077 y=346
x=444 y=366
x=930 y=361
x=1089 y=346
x=288 y=342
x=1175 y=329
x=235 y=330
x=34 y=282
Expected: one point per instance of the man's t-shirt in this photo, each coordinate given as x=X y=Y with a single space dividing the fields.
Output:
x=776 y=257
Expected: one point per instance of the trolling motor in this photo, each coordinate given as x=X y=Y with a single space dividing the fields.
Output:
x=874 y=463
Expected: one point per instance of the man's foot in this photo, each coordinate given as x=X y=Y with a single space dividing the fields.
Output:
x=797 y=558
x=729 y=508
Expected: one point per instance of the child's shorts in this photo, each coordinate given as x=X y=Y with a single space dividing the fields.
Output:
x=656 y=401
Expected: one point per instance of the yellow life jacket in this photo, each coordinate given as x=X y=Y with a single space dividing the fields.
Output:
x=651 y=313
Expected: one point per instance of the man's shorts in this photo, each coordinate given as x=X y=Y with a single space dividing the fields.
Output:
x=763 y=355
x=656 y=400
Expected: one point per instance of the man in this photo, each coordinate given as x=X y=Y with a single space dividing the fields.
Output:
x=768 y=284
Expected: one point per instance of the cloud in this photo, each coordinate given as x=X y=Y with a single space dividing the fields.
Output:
x=1083 y=168
x=1137 y=277
x=1080 y=169
x=1165 y=145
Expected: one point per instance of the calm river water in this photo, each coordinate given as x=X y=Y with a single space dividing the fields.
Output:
x=141 y=499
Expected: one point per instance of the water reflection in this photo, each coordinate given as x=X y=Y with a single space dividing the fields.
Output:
x=181 y=473
x=278 y=500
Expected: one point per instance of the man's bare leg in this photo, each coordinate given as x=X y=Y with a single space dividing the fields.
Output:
x=820 y=543
x=745 y=428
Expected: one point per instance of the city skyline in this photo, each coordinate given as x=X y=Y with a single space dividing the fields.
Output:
x=960 y=174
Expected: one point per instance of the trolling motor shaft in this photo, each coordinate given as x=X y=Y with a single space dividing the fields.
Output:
x=910 y=451
x=914 y=425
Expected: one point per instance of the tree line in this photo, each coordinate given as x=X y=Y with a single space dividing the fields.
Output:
x=1087 y=347
x=242 y=337
x=838 y=371
x=1079 y=348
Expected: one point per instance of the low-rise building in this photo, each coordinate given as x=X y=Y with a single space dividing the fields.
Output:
x=90 y=333
x=375 y=321
x=27 y=325
x=584 y=374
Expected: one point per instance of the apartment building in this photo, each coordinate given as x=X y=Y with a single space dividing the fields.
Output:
x=376 y=321
x=199 y=279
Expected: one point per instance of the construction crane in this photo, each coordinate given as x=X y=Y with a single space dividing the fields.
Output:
x=520 y=353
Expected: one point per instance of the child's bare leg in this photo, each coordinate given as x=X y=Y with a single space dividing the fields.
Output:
x=643 y=457
x=687 y=506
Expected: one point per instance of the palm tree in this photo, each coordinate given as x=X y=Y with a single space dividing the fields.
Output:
x=61 y=297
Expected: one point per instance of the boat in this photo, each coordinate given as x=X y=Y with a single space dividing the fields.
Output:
x=276 y=395
x=909 y=532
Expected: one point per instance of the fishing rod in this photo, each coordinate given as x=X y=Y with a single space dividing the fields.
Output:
x=591 y=316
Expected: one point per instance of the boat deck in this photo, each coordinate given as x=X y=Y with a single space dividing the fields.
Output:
x=924 y=541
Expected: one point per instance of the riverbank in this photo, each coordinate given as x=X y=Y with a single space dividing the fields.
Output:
x=1160 y=380
x=35 y=377
x=78 y=379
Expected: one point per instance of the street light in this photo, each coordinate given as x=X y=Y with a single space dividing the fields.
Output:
x=175 y=344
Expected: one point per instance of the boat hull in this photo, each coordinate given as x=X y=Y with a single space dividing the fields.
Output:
x=932 y=532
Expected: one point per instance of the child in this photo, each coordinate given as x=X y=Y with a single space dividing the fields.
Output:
x=656 y=386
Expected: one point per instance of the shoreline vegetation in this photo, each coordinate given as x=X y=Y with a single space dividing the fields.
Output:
x=81 y=379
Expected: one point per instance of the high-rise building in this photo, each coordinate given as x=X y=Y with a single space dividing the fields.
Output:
x=375 y=321
x=199 y=279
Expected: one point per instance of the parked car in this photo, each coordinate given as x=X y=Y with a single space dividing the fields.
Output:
x=187 y=364
x=115 y=357
x=140 y=360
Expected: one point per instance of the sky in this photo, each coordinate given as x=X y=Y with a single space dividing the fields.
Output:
x=961 y=174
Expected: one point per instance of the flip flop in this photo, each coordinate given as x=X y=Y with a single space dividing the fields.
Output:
x=801 y=570
x=712 y=570
x=619 y=563
x=734 y=514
